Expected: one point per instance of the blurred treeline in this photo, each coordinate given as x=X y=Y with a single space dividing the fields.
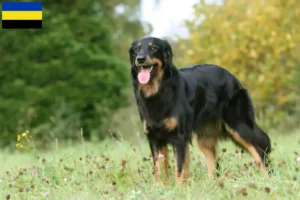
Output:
x=75 y=71
x=259 y=42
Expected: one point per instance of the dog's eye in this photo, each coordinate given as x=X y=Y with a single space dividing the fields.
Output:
x=135 y=50
x=153 y=48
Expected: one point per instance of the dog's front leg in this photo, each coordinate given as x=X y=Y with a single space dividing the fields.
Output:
x=182 y=161
x=161 y=162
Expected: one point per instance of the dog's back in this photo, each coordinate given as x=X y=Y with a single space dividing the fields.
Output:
x=213 y=87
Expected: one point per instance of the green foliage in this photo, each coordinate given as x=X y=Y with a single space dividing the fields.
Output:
x=70 y=63
x=258 y=41
x=125 y=18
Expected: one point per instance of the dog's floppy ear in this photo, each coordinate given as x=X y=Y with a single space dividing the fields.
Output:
x=168 y=54
x=131 y=52
x=131 y=48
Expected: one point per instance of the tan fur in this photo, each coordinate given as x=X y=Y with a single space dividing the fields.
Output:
x=248 y=146
x=162 y=166
x=170 y=123
x=153 y=86
x=212 y=129
x=145 y=127
x=208 y=143
x=208 y=147
x=150 y=89
x=150 y=43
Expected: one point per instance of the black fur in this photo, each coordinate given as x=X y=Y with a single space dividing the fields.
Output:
x=196 y=96
x=239 y=115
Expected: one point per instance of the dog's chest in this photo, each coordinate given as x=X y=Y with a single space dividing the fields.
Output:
x=168 y=124
x=159 y=119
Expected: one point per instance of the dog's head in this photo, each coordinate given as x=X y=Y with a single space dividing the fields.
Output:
x=150 y=59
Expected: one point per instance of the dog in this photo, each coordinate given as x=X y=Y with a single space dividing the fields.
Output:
x=204 y=100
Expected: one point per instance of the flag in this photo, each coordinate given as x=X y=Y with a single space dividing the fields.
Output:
x=22 y=15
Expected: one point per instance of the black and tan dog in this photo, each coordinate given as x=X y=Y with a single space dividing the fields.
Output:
x=204 y=100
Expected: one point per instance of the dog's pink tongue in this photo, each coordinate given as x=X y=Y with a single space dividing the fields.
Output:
x=144 y=76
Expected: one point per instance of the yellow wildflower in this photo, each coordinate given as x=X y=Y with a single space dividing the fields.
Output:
x=24 y=134
x=17 y=145
x=21 y=145
x=18 y=138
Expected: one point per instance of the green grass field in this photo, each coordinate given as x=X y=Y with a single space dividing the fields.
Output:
x=123 y=170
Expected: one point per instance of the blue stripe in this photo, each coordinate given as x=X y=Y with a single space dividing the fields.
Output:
x=21 y=6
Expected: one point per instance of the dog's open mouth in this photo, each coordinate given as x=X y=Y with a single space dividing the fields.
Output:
x=144 y=74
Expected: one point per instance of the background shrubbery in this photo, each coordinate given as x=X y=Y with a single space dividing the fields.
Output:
x=74 y=72
x=67 y=75
x=259 y=42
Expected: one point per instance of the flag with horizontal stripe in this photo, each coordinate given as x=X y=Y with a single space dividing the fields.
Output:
x=22 y=15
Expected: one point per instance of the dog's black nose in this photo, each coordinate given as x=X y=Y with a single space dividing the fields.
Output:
x=141 y=59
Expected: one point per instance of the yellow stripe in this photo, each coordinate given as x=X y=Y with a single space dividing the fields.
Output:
x=22 y=15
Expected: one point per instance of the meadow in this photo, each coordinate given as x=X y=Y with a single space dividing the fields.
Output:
x=122 y=169
x=75 y=74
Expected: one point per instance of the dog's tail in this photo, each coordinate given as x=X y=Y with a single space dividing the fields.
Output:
x=239 y=115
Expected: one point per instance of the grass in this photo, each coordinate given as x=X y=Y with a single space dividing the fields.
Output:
x=123 y=170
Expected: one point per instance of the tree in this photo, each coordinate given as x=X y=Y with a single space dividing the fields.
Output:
x=66 y=75
x=125 y=18
x=256 y=40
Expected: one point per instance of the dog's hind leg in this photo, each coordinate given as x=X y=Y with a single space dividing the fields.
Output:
x=262 y=144
x=237 y=135
x=240 y=124
x=182 y=161
x=208 y=148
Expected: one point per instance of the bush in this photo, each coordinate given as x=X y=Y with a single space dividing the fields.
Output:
x=258 y=41
x=69 y=63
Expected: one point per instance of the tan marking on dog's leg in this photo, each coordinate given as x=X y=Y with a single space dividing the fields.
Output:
x=162 y=165
x=139 y=44
x=145 y=127
x=248 y=146
x=208 y=148
x=170 y=123
x=185 y=174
